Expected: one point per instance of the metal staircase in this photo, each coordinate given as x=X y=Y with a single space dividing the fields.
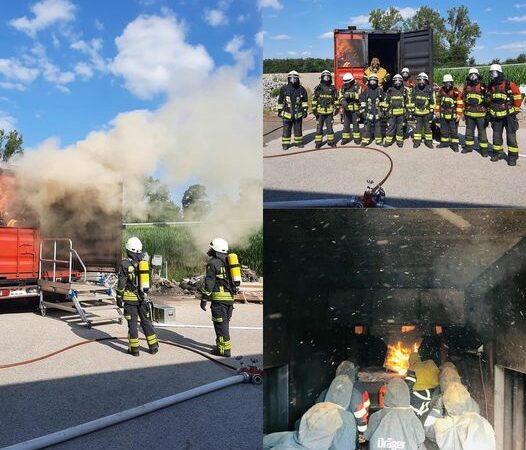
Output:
x=90 y=300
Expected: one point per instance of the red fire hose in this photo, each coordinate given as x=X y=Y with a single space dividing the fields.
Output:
x=113 y=338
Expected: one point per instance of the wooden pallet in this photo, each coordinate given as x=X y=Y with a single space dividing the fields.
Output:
x=250 y=293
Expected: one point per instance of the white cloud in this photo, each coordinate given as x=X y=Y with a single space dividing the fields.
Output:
x=153 y=55
x=242 y=18
x=245 y=58
x=488 y=9
x=92 y=49
x=521 y=45
x=280 y=37
x=274 y=4
x=292 y=53
x=11 y=85
x=50 y=71
x=479 y=47
x=15 y=72
x=327 y=35
x=520 y=5
x=7 y=122
x=99 y=25
x=259 y=37
x=46 y=13
x=305 y=53
x=84 y=70
x=360 y=21
x=406 y=12
x=215 y=17
x=517 y=19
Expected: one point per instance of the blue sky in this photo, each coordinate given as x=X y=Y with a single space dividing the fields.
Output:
x=301 y=28
x=63 y=72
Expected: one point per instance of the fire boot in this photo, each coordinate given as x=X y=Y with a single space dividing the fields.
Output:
x=317 y=146
x=497 y=156
x=345 y=141
x=388 y=144
x=454 y=147
x=285 y=147
x=400 y=144
x=357 y=141
x=484 y=152
x=133 y=352
x=512 y=159
x=467 y=149
x=300 y=146
x=332 y=144
x=416 y=144
x=429 y=144
x=443 y=145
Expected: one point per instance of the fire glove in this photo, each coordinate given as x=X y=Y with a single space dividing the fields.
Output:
x=280 y=113
x=203 y=305
x=120 y=302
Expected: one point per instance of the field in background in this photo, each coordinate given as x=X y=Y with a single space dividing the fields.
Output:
x=176 y=245
x=513 y=72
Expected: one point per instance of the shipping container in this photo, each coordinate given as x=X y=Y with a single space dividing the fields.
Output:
x=354 y=49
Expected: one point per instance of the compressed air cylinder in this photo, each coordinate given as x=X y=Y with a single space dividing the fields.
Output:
x=235 y=268
x=144 y=275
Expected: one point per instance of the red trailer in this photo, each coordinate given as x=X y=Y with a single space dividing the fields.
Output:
x=354 y=49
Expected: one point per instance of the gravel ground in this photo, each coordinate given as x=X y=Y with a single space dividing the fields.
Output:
x=420 y=178
x=98 y=379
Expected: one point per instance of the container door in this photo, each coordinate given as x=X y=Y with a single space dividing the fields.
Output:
x=416 y=52
x=350 y=54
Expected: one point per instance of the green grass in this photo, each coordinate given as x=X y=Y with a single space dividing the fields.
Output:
x=176 y=245
x=513 y=72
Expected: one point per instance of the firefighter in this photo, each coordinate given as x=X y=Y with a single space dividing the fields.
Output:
x=292 y=108
x=504 y=103
x=133 y=299
x=371 y=104
x=219 y=289
x=423 y=105
x=408 y=85
x=350 y=101
x=449 y=106
x=474 y=96
x=382 y=74
x=407 y=78
x=396 y=103
x=422 y=379
x=323 y=108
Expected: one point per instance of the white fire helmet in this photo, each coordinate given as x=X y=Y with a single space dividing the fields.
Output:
x=405 y=69
x=134 y=245
x=348 y=77
x=293 y=73
x=422 y=75
x=496 y=67
x=219 y=245
x=398 y=77
x=473 y=70
x=447 y=77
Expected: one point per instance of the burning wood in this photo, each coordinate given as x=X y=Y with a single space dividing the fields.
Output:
x=397 y=358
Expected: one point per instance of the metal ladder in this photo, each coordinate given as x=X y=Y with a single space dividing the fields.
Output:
x=84 y=299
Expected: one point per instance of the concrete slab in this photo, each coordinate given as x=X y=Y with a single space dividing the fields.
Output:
x=420 y=178
x=98 y=379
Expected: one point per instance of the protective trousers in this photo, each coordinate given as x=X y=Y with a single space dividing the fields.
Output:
x=479 y=124
x=288 y=126
x=351 y=117
x=448 y=131
x=395 y=125
x=221 y=315
x=324 y=119
x=423 y=127
x=498 y=126
x=372 y=128
x=132 y=313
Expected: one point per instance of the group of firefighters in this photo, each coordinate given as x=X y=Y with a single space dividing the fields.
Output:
x=220 y=286
x=429 y=404
x=391 y=109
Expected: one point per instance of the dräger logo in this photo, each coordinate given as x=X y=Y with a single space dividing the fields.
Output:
x=389 y=443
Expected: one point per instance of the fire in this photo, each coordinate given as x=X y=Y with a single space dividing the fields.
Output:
x=397 y=358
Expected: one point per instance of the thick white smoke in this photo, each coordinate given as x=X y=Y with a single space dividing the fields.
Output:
x=209 y=130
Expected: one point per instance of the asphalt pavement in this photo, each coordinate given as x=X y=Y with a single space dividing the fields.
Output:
x=99 y=379
x=420 y=178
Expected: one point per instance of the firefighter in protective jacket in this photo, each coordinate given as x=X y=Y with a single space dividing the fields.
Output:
x=375 y=68
x=371 y=104
x=350 y=101
x=474 y=95
x=504 y=103
x=396 y=104
x=423 y=105
x=220 y=290
x=133 y=299
x=449 y=107
x=324 y=108
x=293 y=104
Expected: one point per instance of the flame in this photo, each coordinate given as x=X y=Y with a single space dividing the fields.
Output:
x=397 y=358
